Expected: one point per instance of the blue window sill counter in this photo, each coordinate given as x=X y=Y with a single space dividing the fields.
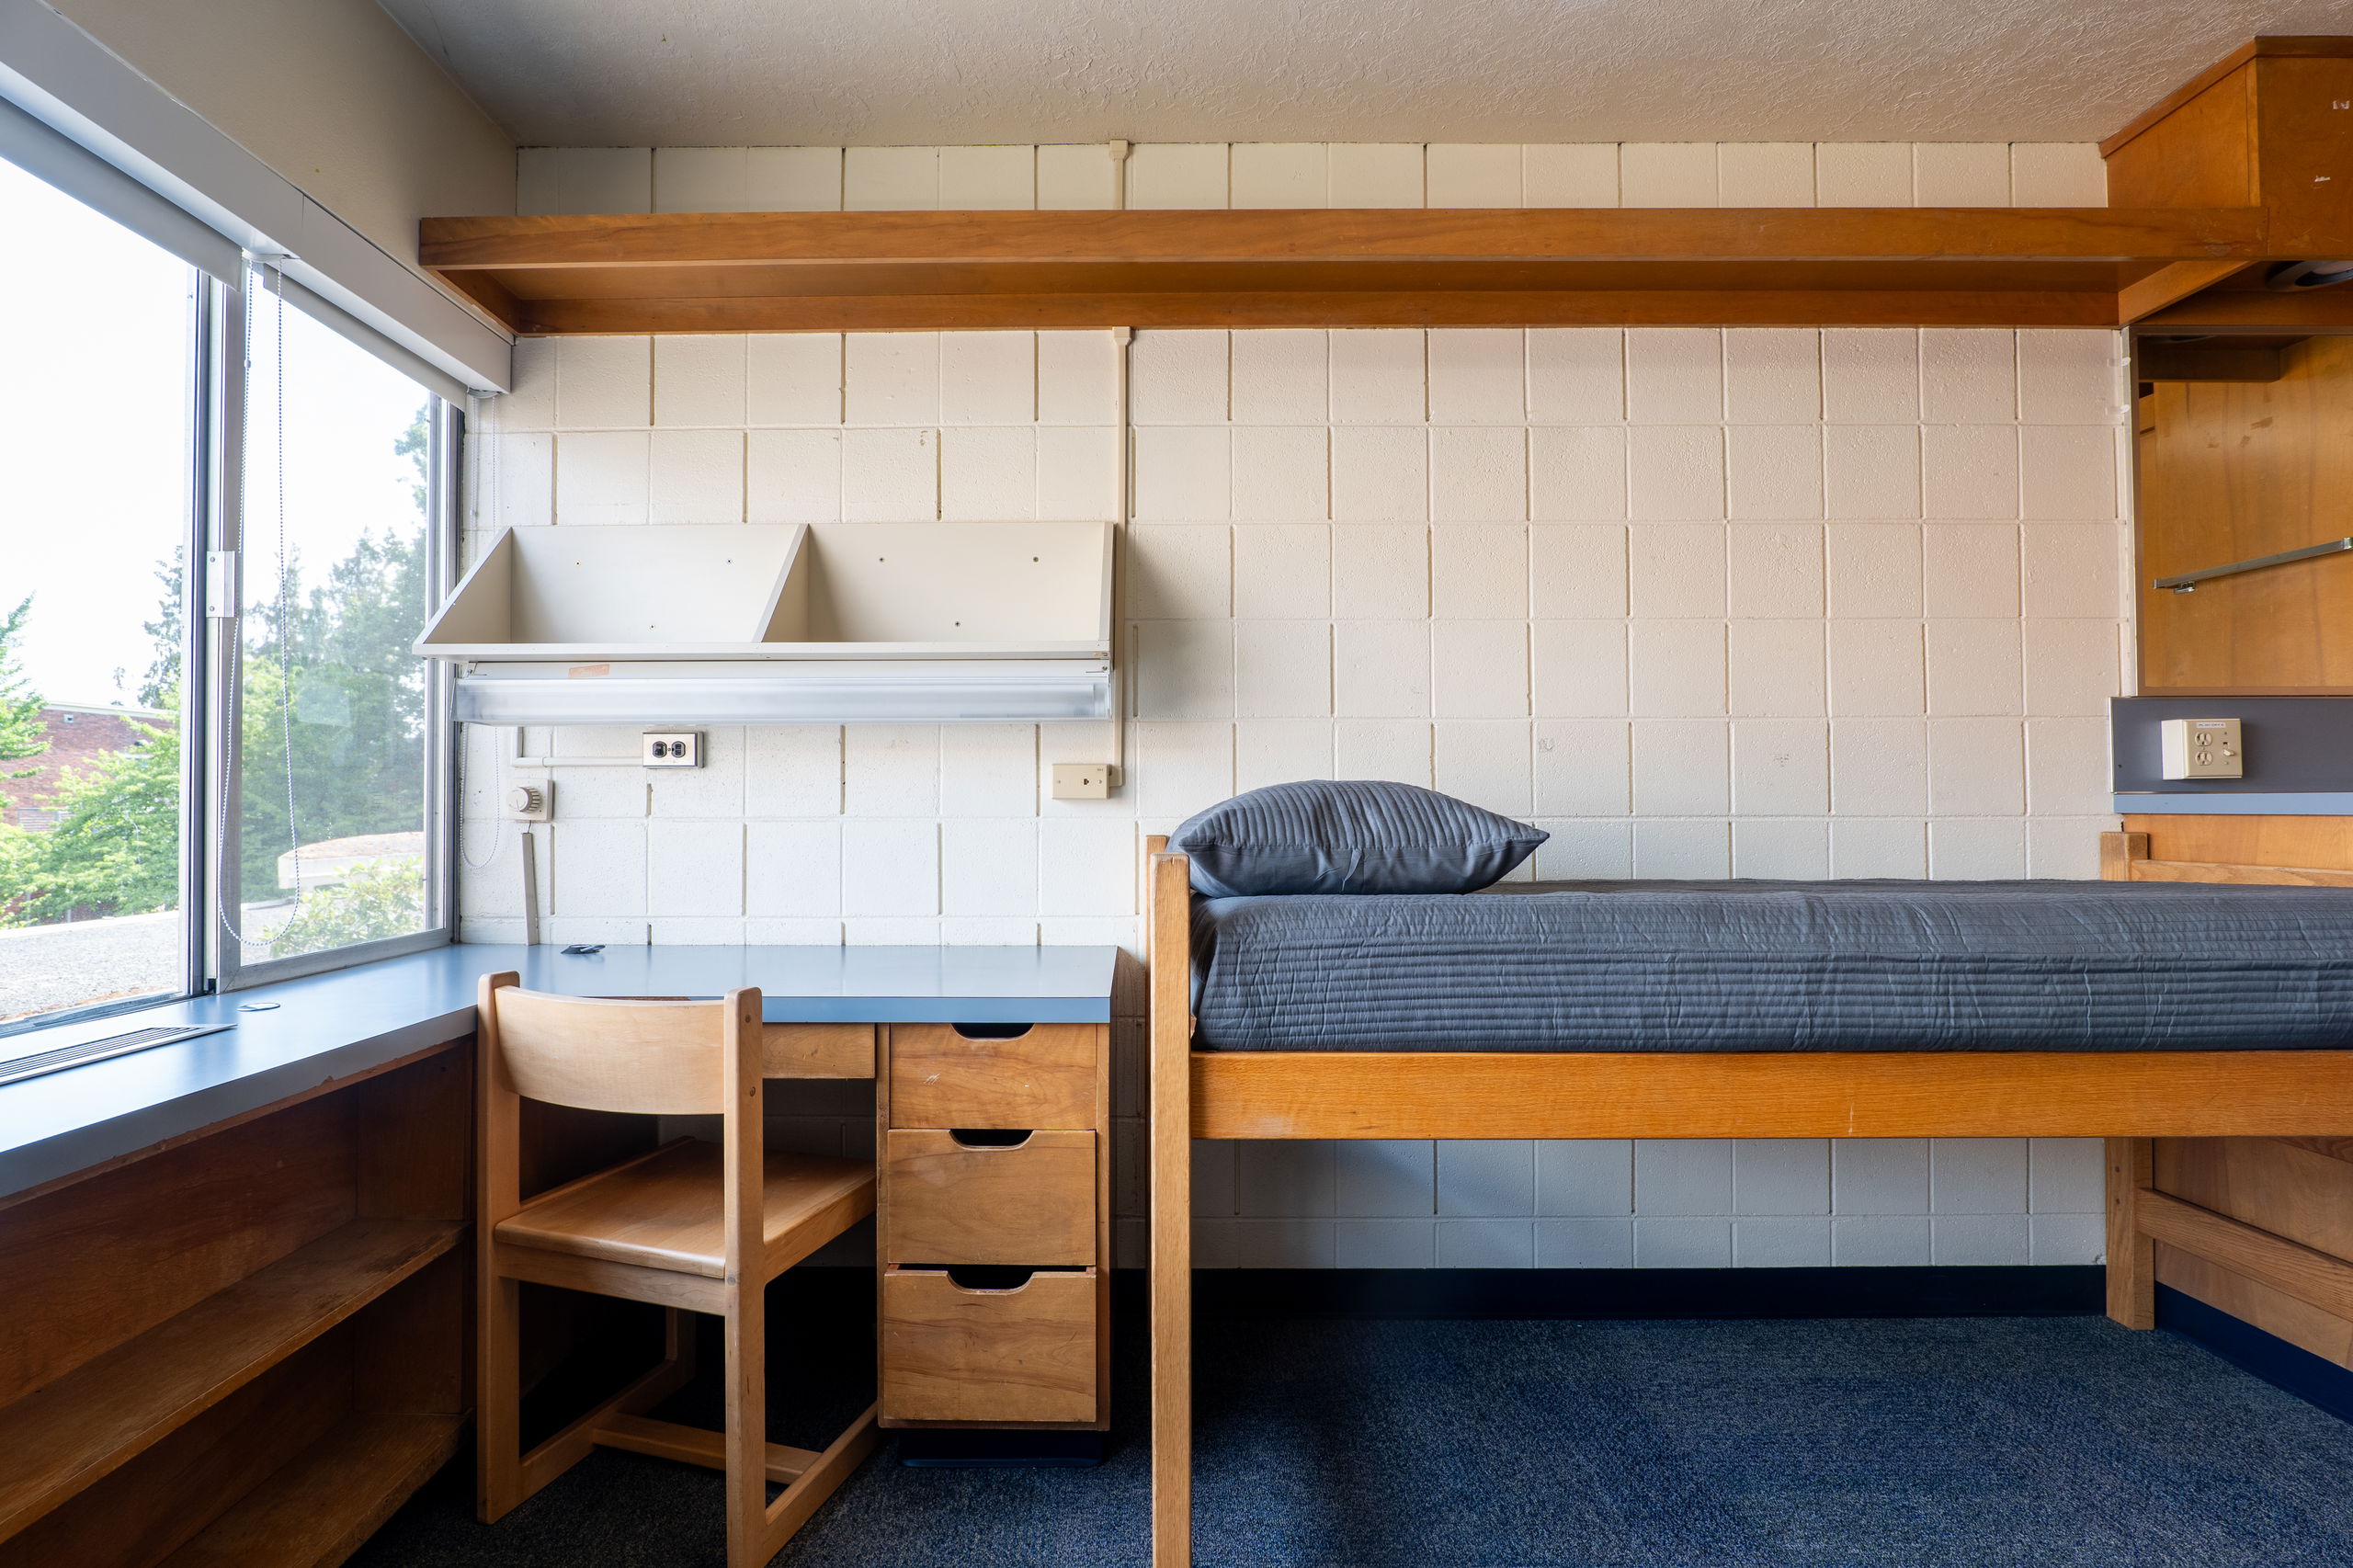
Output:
x=327 y=1027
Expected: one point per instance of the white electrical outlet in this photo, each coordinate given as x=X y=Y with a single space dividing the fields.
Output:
x=672 y=749
x=533 y=802
x=1082 y=781
x=2202 y=748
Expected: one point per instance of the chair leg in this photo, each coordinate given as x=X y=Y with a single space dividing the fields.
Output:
x=498 y=1395
x=747 y=1424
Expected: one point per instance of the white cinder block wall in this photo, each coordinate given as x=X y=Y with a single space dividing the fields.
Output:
x=1774 y=602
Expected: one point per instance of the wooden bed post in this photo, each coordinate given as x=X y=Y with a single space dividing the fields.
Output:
x=2131 y=1161
x=1168 y=942
x=2116 y=853
x=2131 y=1254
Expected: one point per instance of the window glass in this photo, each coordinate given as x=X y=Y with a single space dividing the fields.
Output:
x=96 y=469
x=334 y=846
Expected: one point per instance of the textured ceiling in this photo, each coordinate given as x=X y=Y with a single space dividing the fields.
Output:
x=722 y=73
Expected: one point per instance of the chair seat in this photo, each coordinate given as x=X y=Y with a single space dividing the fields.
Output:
x=663 y=1210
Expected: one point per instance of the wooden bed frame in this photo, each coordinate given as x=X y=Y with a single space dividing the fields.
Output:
x=2128 y=1098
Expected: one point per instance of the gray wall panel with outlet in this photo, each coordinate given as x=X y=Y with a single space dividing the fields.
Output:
x=2293 y=744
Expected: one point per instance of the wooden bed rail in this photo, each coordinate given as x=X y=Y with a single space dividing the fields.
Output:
x=2124 y=857
x=1260 y=1094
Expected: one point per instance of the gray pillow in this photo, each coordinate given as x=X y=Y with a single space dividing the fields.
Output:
x=1353 y=835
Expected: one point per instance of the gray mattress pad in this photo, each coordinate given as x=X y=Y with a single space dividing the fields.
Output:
x=1779 y=966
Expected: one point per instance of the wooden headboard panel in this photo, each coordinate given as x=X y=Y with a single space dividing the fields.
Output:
x=2311 y=851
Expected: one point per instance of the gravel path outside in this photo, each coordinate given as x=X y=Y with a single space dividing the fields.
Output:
x=46 y=967
x=77 y=963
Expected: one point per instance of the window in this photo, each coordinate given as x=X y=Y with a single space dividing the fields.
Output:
x=335 y=809
x=96 y=466
x=190 y=802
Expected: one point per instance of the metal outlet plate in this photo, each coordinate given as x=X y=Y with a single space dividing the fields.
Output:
x=2202 y=748
x=672 y=748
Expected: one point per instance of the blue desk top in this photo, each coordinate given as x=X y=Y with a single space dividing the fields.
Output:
x=331 y=1027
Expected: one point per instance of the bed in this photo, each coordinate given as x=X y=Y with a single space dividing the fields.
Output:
x=2187 y=997
x=1777 y=966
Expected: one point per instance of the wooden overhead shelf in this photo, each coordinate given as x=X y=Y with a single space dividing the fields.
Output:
x=879 y=271
x=2191 y=215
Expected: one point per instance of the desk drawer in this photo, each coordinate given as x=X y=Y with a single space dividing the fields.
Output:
x=817 y=1050
x=1029 y=1205
x=1044 y=1077
x=954 y=1353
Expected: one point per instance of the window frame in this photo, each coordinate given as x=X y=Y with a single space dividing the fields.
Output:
x=226 y=282
x=211 y=646
x=223 y=640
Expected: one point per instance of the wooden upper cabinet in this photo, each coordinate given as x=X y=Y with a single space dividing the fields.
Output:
x=2270 y=125
x=2243 y=427
x=2197 y=148
x=2232 y=470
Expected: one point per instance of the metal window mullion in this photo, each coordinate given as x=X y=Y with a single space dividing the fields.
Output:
x=224 y=637
x=196 y=804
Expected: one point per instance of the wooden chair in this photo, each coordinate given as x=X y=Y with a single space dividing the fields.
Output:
x=690 y=1227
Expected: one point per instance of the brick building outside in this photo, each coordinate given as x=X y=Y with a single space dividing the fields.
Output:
x=77 y=738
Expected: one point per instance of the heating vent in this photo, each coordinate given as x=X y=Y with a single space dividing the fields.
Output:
x=99 y=1050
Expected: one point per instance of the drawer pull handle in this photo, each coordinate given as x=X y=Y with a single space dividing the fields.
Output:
x=992 y=1032
x=989 y=1137
x=999 y=1279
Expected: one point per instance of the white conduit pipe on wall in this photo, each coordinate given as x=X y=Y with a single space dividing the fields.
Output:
x=1123 y=348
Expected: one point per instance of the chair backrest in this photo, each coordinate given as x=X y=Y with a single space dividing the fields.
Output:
x=649 y=1057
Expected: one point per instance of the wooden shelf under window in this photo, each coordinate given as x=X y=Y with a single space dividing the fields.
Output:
x=319 y=1508
x=75 y=1430
x=247 y=1346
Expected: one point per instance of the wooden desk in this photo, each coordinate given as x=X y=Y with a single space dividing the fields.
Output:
x=231 y=1267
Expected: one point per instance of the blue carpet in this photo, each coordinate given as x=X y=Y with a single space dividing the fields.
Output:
x=1840 y=1443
